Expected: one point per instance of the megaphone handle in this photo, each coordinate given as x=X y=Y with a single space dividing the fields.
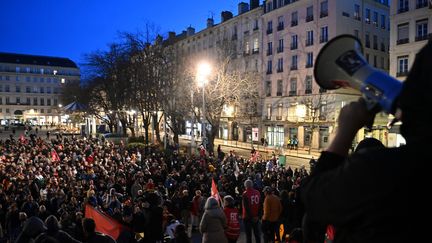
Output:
x=373 y=107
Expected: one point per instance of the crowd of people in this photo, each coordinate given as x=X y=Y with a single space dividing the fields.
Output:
x=47 y=183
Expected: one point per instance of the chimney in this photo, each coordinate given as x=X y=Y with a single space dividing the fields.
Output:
x=254 y=4
x=210 y=22
x=243 y=8
x=226 y=15
x=190 y=31
x=171 y=35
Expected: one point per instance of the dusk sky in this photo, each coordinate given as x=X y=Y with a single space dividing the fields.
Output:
x=72 y=28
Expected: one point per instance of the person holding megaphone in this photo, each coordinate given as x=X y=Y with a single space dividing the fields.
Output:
x=377 y=194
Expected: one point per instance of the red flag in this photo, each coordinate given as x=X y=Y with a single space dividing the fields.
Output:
x=54 y=156
x=215 y=192
x=22 y=139
x=104 y=223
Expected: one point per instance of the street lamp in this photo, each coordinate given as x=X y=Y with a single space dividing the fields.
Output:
x=203 y=71
x=59 y=113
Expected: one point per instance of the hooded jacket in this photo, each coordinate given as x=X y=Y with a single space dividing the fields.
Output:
x=213 y=223
x=54 y=231
x=32 y=228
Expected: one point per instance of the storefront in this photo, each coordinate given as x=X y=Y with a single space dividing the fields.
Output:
x=275 y=135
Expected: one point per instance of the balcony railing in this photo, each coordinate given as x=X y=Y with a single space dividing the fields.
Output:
x=294 y=68
x=279 y=70
x=309 y=18
x=278 y=93
x=423 y=37
x=269 y=31
x=309 y=65
x=422 y=4
x=402 y=74
x=294 y=23
x=309 y=42
x=357 y=16
x=280 y=27
x=403 y=10
x=402 y=41
x=279 y=49
x=308 y=91
x=269 y=52
x=323 y=14
x=292 y=93
x=255 y=50
x=323 y=39
x=293 y=47
x=269 y=72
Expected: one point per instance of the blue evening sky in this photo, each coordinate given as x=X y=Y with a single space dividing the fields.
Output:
x=72 y=28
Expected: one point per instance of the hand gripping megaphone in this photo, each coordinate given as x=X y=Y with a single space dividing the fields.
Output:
x=340 y=64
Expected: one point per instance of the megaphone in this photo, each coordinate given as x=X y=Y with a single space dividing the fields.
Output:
x=340 y=64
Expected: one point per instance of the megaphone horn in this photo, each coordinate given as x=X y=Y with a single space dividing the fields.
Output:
x=340 y=64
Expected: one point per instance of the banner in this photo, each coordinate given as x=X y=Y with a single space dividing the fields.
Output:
x=104 y=223
x=54 y=156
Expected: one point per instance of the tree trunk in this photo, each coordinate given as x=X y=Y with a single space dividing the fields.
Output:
x=212 y=136
x=156 y=128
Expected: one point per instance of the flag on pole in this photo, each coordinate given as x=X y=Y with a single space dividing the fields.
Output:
x=215 y=192
x=54 y=156
x=104 y=223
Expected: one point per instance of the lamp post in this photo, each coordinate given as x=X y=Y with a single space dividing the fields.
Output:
x=203 y=72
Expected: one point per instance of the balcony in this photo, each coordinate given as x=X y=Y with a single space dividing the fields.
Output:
x=278 y=118
x=292 y=93
x=280 y=27
x=279 y=49
x=309 y=18
x=423 y=37
x=309 y=65
x=293 y=47
x=279 y=70
x=402 y=10
x=402 y=41
x=269 y=72
x=421 y=4
x=255 y=50
x=294 y=23
x=309 y=42
x=323 y=14
x=323 y=39
x=269 y=52
x=402 y=74
x=294 y=67
x=278 y=93
x=269 y=31
x=308 y=91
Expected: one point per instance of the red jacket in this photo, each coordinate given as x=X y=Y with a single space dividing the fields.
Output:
x=233 y=226
x=251 y=200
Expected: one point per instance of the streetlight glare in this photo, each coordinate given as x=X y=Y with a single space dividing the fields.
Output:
x=203 y=71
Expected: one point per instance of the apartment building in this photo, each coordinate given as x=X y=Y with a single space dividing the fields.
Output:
x=31 y=86
x=410 y=25
x=243 y=31
x=295 y=108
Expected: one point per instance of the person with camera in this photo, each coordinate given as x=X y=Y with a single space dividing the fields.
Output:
x=373 y=195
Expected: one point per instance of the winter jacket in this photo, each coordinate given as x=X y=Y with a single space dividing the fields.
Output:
x=213 y=223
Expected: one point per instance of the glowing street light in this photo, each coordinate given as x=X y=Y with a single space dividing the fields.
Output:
x=203 y=72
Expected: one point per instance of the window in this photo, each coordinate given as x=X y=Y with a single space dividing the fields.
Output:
x=402 y=69
x=294 y=43
x=421 y=3
x=41 y=80
x=42 y=101
x=1 y=88
x=35 y=79
x=309 y=59
x=17 y=69
x=403 y=6
x=41 y=71
x=279 y=112
x=269 y=66
x=247 y=48
x=367 y=16
x=356 y=33
x=28 y=79
x=324 y=34
x=402 y=34
x=269 y=48
x=375 y=42
x=421 y=30
x=294 y=18
x=308 y=84
x=255 y=46
x=294 y=62
x=367 y=57
x=55 y=102
x=382 y=63
x=357 y=11
x=48 y=90
x=7 y=88
x=281 y=46
x=375 y=61
x=7 y=78
x=309 y=38
x=309 y=14
x=1 y=101
x=269 y=6
x=324 y=9
x=35 y=101
x=7 y=100
x=280 y=23
x=18 y=100
x=255 y=25
x=382 y=45
x=269 y=111
x=375 y=19
x=48 y=101
x=280 y=65
x=270 y=27
x=383 y=21
x=27 y=69
x=279 y=88
x=27 y=101
x=41 y=90
x=42 y=111
x=7 y=110
x=18 y=89
x=293 y=87
x=268 y=88
x=367 y=40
